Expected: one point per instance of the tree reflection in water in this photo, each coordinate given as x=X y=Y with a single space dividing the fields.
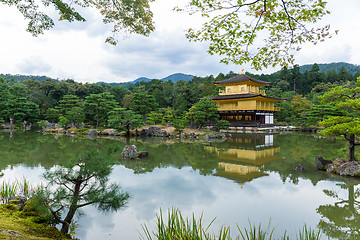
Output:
x=342 y=220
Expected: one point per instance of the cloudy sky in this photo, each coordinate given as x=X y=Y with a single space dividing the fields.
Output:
x=78 y=50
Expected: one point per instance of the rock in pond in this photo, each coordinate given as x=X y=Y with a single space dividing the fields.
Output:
x=299 y=168
x=91 y=132
x=129 y=152
x=154 y=131
x=210 y=135
x=351 y=168
x=321 y=163
x=109 y=132
x=18 y=201
x=335 y=164
x=142 y=154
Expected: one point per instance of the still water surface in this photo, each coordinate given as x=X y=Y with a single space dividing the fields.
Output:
x=249 y=177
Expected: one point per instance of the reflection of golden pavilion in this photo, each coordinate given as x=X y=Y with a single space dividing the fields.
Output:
x=244 y=157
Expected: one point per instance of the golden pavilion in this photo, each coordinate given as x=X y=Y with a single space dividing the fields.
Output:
x=242 y=103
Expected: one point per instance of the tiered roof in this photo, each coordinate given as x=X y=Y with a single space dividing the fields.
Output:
x=240 y=79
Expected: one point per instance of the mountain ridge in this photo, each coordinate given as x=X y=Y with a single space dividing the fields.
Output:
x=173 y=77
x=324 y=67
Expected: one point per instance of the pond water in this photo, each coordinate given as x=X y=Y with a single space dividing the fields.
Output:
x=249 y=177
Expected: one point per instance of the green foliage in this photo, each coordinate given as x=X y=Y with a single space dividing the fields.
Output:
x=254 y=233
x=344 y=98
x=222 y=124
x=42 y=124
x=33 y=100
x=203 y=111
x=15 y=188
x=143 y=103
x=70 y=110
x=132 y=16
x=98 y=107
x=309 y=234
x=179 y=124
x=155 y=117
x=81 y=130
x=123 y=119
x=340 y=125
x=41 y=214
x=178 y=227
x=168 y=114
x=82 y=182
x=128 y=101
x=237 y=26
x=64 y=122
x=319 y=112
x=52 y=114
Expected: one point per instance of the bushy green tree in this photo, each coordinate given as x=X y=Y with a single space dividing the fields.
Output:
x=203 y=111
x=318 y=112
x=155 y=117
x=143 y=104
x=222 y=124
x=64 y=121
x=52 y=114
x=345 y=98
x=82 y=181
x=70 y=108
x=98 y=107
x=123 y=119
x=179 y=124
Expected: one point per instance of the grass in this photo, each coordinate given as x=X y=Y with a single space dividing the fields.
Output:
x=15 y=188
x=15 y=225
x=176 y=227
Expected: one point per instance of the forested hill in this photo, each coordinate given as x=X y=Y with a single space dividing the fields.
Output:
x=327 y=68
x=324 y=67
x=21 y=78
x=164 y=100
x=173 y=77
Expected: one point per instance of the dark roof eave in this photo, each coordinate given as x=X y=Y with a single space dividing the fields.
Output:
x=240 y=96
x=240 y=78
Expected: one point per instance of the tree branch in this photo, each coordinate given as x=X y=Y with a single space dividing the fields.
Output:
x=54 y=213
x=289 y=18
x=254 y=29
x=84 y=204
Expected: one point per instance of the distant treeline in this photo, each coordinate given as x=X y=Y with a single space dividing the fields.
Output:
x=33 y=100
x=21 y=78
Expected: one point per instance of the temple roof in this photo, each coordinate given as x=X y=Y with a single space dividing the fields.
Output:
x=239 y=96
x=240 y=78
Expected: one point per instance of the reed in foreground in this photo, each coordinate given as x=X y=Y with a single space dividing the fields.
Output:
x=178 y=228
x=15 y=188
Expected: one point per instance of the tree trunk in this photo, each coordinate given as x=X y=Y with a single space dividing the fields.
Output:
x=97 y=116
x=144 y=118
x=352 y=147
x=73 y=207
x=352 y=198
x=128 y=130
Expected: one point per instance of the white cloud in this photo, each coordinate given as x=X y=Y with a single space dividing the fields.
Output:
x=34 y=65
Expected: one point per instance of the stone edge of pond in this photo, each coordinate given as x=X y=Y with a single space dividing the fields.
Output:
x=339 y=167
x=152 y=131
